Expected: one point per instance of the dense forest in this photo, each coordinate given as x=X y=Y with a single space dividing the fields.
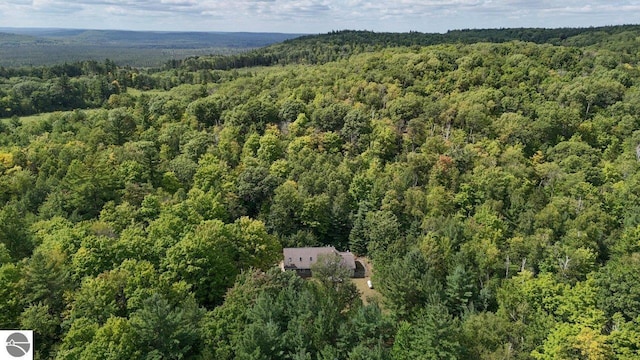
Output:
x=492 y=179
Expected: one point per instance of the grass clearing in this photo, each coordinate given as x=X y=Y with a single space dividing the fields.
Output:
x=363 y=287
x=26 y=120
x=138 y=92
x=34 y=118
x=365 y=292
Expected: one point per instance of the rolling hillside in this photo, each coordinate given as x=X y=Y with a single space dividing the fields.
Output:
x=19 y=47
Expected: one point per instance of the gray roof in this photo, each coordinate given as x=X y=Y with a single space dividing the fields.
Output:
x=348 y=260
x=303 y=258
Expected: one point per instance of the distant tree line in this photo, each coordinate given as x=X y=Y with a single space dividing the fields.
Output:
x=319 y=49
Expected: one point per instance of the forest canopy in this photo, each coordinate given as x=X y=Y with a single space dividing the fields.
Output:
x=491 y=179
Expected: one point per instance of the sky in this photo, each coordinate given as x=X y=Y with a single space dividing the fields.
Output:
x=315 y=16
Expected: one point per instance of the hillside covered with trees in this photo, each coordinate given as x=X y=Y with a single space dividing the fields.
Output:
x=51 y=46
x=493 y=183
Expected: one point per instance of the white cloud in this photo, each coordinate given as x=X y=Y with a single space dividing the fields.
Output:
x=316 y=15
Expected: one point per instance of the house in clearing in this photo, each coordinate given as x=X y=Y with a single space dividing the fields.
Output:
x=301 y=259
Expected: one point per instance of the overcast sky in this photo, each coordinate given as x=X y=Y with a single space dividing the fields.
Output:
x=315 y=16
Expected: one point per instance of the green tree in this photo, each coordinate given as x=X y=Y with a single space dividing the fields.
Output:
x=114 y=340
x=206 y=111
x=46 y=327
x=13 y=232
x=291 y=108
x=11 y=291
x=284 y=214
x=329 y=269
x=433 y=335
x=255 y=247
x=255 y=186
x=120 y=125
x=619 y=291
x=205 y=260
x=47 y=277
x=406 y=283
x=165 y=331
x=459 y=290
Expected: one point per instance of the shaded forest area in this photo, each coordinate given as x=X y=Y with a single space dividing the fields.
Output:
x=494 y=183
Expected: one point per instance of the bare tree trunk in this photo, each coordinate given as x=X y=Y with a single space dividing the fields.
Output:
x=507 y=264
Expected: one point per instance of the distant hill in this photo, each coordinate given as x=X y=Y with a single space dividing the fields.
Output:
x=11 y=39
x=35 y=46
x=323 y=48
